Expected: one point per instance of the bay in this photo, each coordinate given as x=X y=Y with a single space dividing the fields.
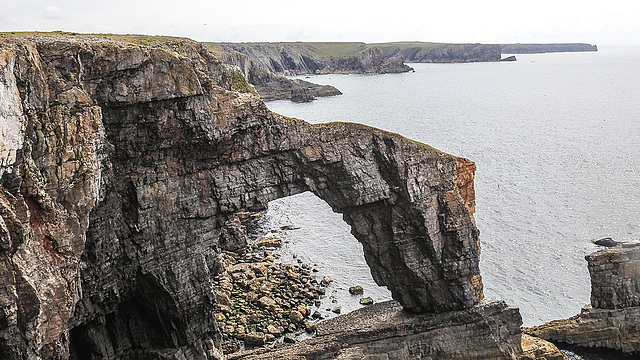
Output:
x=556 y=141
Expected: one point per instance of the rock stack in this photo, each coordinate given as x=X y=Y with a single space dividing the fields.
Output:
x=612 y=320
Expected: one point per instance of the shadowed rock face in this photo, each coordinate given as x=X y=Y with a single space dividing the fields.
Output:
x=122 y=170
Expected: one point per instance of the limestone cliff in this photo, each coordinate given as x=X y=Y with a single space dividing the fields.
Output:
x=546 y=48
x=269 y=83
x=419 y=52
x=320 y=58
x=611 y=320
x=123 y=165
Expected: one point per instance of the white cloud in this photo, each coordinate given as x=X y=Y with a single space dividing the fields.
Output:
x=53 y=12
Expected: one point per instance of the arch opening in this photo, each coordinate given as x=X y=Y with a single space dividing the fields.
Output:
x=315 y=235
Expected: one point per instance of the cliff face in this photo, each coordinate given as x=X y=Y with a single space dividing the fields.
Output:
x=611 y=321
x=265 y=66
x=270 y=84
x=546 y=48
x=297 y=59
x=447 y=53
x=122 y=167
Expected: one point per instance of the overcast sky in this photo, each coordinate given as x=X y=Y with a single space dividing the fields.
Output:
x=611 y=22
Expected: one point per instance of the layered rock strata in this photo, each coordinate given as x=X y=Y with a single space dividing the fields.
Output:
x=386 y=331
x=305 y=58
x=266 y=64
x=123 y=167
x=612 y=320
x=270 y=85
x=446 y=53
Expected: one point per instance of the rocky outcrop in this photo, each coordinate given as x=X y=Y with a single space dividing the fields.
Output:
x=265 y=66
x=122 y=169
x=385 y=331
x=546 y=48
x=269 y=84
x=611 y=321
x=615 y=277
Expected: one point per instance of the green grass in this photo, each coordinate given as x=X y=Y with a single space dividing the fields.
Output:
x=240 y=84
x=393 y=47
x=127 y=38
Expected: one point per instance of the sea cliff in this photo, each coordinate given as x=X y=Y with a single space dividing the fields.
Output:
x=266 y=64
x=546 y=48
x=124 y=166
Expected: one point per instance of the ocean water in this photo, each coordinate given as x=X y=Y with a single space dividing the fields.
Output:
x=556 y=141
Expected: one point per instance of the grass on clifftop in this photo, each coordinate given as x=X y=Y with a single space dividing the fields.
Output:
x=393 y=47
x=148 y=40
x=312 y=49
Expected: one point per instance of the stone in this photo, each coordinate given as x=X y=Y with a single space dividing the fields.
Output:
x=509 y=58
x=274 y=330
x=595 y=328
x=534 y=348
x=325 y=281
x=272 y=242
x=615 y=277
x=337 y=310
x=267 y=302
x=295 y=316
x=356 y=290
x=290 y=339
x=255 y=339
x=309 y=327
x=305 y=311
x=607 y=242
x=366 y=301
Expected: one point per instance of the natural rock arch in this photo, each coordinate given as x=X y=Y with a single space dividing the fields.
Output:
x=134 y=159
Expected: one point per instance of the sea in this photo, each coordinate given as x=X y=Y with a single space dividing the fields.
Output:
x=556 y=141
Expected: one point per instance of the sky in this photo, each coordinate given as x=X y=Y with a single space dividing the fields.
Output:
x=612 y=22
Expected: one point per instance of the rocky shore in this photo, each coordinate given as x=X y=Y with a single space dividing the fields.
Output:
x=261 y=302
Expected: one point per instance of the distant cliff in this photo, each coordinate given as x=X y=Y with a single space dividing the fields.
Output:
x=546 y=48
x=320 y=58
x=422 y=52
x=265 y=65
x=270 y=81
